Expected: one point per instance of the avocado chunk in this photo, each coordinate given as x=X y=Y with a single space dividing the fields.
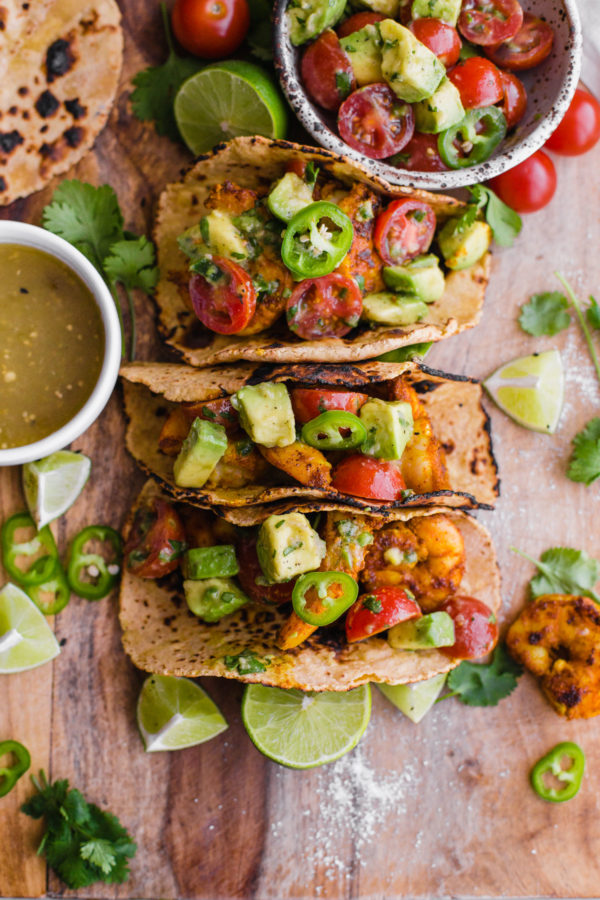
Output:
x=202 y=449
x=410 y=68
x=209 y=562
x=385 y=7
x=393 y=309
x=436 y=629
x=389 y=425
x=213 y=598
x=463 y=247
x=287 y=546
x=421 y=277
x=446 y=10
x=364 y=52
x=288 y=196
x=266 y=414
x=308 y=18
x=440 y=111
x=414 y=700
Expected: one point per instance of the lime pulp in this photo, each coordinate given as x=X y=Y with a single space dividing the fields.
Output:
x=26 y=639
x=530 y=390
x=51 y=485
x=173 y=713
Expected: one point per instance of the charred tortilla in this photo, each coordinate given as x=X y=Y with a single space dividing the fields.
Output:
x=254 y=162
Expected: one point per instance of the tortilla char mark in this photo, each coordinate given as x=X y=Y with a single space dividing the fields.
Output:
x=60 y=58
x=9 y=140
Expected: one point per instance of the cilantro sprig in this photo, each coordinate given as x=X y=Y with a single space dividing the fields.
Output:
x=90 y=218
x=545 y=314
x=584 y=465
x=563 y=570
x=505 y=223
x=484 y=684
x=583 y=320
x=82 y=843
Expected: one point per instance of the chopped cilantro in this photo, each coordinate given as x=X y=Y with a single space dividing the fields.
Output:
x=371 y=603
x=246 y=663
x=292 y=548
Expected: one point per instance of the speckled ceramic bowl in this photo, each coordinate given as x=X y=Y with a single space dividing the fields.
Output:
x=550 y=88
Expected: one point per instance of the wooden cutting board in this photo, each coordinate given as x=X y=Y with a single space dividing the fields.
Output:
x=443 y=809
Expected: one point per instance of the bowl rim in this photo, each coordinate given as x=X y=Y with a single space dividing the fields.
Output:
x=26 y=235
x=447 y=180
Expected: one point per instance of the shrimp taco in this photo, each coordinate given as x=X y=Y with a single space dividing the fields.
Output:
x=372 y=436
x=325 y=602
x=276 y=252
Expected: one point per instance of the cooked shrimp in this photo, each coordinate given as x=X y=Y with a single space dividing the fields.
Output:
x=231 y=198
x=425 y=555
x=423 y=463
x=361 y=205
x=557 y=637
x=303 y=463
x=240 y=466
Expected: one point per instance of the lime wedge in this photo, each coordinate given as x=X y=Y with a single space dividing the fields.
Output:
x=226 y=100
x=302 y=730
x=530 y=390
x=26 y=639
x=53 y=484
x=414 y=700
x=173 y=713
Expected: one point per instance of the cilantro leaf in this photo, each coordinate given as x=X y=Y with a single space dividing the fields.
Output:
x=100 y=853
x=485 y=684
x=505 y=223
x=564 y=570
x=545 y=314
x=584 y=465
x=85 y=216
x=592 y=313
x=132 y=263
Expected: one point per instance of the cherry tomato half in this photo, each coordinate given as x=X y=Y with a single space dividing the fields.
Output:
x=326 y=71
x=329 y=306
x=421 y=154
x=219 y=412
x=475 y=629
x=377 y=611
x=308 y=403
x=489 y=22
x=375 y=122
x=529 y=47
x=227 y=301
x=156 y=540
x=251 y=577
x=365 y=476
x=478 y=81
x=529 y=186
x=404 y=230
x=514 y=101
x=579 y=130
x=358 y=21
x=441 y=38
x=212 y=29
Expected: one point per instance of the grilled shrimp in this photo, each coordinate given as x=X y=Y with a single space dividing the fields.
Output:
x=557 y=637
x=425 y=555
x=361 y=205
x=423 y=463
x=303 y=463
x=240 y=466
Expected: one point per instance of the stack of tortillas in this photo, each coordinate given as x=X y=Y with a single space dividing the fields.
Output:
x=59 y=69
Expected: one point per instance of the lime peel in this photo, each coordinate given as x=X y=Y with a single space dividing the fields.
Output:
x=530 y=390
x=52 y=485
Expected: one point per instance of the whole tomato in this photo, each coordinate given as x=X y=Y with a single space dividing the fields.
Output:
x=529 y=186
x=212 y=29
x=580 y=127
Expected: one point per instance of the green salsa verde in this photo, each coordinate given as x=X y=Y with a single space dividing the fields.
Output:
x=51 y=345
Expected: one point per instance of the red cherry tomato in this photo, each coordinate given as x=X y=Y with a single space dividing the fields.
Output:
x=478 y=82
x=308 y=403
x=489 y=22
x=421 y=154
x=375 y=122
x=154 y=545
x=377 y=611
x=329 y=306
x=365 y=476
x=514 y=101
x=441 y=38
x=358 y=21
x=219 y=411
x=529 y=47
x=251 y=577
x=226 y=304
x=212 y=29
x=475 y=629
x=327 y=72
x=529 y=186
x=579 y=130
x=404 y=230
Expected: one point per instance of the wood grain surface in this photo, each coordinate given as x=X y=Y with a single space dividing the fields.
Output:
x=443 y=809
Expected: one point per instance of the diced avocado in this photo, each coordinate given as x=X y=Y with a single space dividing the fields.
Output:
x=421 y=277
x=288 y=196
x=414 y=700
x=210 y=562
x=389 y=427
x=440 y=111
x=393 y=309
x=446 y=10
x=287 y=546
x=308 y=18
x=364 y=52
x=266 y=414
x=463 y=247
x=410 y=68
x=222 y=237
x=436 y=629
x=385 y=7
x=213 y=598
x=202 y=449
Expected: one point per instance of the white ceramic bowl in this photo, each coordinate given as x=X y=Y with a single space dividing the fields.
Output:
x=32 y=236
x=550 y=87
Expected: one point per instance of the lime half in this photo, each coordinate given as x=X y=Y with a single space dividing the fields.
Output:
x=530 y=390
x=53 y=484
x=26 y=639
x=173 y=713
x=302 y=730
x=226 y=100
